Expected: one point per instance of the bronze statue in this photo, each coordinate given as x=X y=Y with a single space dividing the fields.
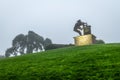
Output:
x=77 y=27
x=86 y=28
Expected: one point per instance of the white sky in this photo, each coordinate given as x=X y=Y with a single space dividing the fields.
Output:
x=55 y=19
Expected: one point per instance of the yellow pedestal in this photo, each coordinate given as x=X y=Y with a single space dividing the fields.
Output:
x=84 y=40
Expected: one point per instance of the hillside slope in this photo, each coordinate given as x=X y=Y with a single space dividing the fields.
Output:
x=94 y=62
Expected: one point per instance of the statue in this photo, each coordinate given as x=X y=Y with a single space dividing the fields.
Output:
x=84 y=30
x=79 y=26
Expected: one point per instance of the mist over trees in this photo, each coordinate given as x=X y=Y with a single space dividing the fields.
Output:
x=25 y=44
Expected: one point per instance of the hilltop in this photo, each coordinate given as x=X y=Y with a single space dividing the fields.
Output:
x=93 y=62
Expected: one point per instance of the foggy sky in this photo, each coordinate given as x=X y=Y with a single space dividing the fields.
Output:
x=55 y=19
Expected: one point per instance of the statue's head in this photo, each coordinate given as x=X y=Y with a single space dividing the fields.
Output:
x=79 y=21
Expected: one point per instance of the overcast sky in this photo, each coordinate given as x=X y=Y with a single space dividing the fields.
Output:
x=55 y=19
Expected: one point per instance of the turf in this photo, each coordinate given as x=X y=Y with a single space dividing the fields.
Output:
x=93 y=62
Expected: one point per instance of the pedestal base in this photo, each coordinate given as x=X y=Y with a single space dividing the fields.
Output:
x=84 y=40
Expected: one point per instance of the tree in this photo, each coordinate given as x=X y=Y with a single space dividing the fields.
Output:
x=47 y=42
x=23 y=44
x=100 y=41
x=34 y=42
x=19 y=43
x=10 y=51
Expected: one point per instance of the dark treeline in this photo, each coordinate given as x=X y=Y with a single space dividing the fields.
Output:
x=55 y=46
x=99 y=41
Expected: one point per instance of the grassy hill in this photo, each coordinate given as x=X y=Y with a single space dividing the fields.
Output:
x=94 y=62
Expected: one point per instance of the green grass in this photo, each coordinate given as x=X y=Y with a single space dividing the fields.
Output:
x=94 y=62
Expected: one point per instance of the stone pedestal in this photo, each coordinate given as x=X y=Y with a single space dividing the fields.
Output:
x=84 y=40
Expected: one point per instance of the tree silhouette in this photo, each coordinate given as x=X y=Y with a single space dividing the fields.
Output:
x=47 y=42
x=23 y=44
x=9 y=51
x=19 y=43
x=34 y=42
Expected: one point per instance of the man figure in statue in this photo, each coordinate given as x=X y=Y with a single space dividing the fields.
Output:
x=77 y=27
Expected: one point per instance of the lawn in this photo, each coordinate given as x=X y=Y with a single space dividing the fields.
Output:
x=93 y=62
